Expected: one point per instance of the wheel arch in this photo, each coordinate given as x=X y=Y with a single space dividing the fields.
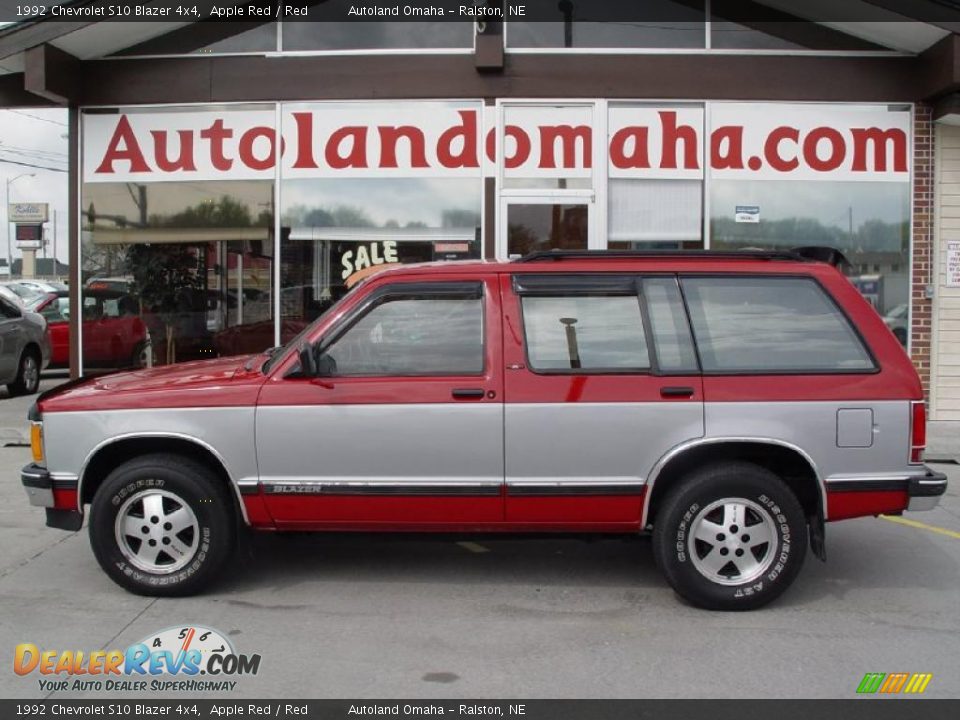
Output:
x=788 y=461
x=111 y=453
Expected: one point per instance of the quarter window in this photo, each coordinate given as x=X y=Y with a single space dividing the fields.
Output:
x=585 y=333
x=412 y=335
x=771 y=324
x=669 y=327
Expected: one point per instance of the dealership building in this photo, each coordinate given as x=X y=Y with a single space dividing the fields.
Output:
x=252 y=171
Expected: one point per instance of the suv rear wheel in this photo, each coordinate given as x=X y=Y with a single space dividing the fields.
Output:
x=162 y=525
x=730 y=537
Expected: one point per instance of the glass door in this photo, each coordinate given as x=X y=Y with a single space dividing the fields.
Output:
x=545 y=160
x=530 y=224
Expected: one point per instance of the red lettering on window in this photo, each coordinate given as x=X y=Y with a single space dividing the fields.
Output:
x=523 y=146
x=771 y=148
x=304 y=159
x=838 y=149
x=880 y=139
x=568 y=135
x=357 y=157
x=389 y=136
x=639 y=157
x=246 y=148
x=672 y=135
x=216 y=134
x=467 y=130
x=184 y=161
x=130 y=150
x=730 y=156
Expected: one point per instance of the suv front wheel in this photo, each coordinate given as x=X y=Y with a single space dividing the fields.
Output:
x=162 y=525
x=730 y=537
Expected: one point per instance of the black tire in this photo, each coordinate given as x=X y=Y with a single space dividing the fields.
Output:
x=694 y=568
x=209 y=541
x=28 y=374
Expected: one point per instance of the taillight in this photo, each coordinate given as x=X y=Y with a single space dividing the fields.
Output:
x=918 y=431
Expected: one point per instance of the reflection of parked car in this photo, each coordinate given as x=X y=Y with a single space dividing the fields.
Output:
x=41 y=286
x=114 y=284
x=896 y=320
x=21 y=293
x=113 y=334
x=24 y=348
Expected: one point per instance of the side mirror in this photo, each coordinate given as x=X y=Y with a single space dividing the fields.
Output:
x=308 y=361
x=326 y=366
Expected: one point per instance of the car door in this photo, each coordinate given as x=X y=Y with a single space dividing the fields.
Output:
x=405 y=427
x=601 y=382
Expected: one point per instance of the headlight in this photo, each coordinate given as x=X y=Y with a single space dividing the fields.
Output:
x=36 y=441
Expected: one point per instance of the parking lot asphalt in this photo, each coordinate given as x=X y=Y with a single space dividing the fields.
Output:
x=364 y=616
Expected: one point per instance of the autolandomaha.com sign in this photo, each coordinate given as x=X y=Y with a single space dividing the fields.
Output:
x=743 y=142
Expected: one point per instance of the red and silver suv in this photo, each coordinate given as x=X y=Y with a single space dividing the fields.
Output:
x=729 y=403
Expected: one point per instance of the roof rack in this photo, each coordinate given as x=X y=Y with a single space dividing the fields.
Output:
x=801 y=254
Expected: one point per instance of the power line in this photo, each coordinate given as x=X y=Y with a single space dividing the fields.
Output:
x=39 y=167
x=37 y=117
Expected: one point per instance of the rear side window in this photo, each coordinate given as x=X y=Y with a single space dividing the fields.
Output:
x=587 y=333
x=772 y=325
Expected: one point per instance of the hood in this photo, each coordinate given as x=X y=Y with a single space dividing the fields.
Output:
x=204 y=383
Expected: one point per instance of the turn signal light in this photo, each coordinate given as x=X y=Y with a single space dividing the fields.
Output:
x=36 y=441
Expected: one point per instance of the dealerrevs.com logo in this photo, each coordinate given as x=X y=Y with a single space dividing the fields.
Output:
x=179 y=659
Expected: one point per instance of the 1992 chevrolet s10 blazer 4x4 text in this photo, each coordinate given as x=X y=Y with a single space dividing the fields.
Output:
x=730 y=403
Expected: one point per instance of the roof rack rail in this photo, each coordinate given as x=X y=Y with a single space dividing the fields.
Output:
x=549 y=255
x=809 y=253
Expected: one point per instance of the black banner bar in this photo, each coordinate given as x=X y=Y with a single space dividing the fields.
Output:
x=941 y=12
x=873 y=708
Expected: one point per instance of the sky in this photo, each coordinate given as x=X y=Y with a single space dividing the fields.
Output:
x=35 y=137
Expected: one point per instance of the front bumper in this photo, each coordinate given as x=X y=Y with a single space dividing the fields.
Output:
x=924 y=491
x=39 y=486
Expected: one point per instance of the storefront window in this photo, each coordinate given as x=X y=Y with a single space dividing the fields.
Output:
x=655 y=166
x=868 y=222
x=175 y=271
x=337 y=232
x=610 y=24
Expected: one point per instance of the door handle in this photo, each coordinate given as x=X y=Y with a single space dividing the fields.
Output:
x=674 y=391
x=468 y=393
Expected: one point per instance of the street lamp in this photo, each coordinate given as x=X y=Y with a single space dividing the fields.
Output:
x=10 y=182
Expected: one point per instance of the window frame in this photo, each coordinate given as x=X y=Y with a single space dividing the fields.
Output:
x=456 y=289
x=829 y=298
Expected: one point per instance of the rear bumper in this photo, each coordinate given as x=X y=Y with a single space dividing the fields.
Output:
x=39 y=485
x=924 y=491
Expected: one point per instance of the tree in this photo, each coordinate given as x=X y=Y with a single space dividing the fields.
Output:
x=164 y=277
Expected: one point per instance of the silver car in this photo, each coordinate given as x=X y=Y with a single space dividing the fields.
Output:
x=24 y=347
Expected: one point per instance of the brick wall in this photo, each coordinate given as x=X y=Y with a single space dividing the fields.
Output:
x=922 y=269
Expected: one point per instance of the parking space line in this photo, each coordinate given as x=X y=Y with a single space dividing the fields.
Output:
x=473 y=547
x=922 y=526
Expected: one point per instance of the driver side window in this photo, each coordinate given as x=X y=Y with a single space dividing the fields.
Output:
x=412 y=335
